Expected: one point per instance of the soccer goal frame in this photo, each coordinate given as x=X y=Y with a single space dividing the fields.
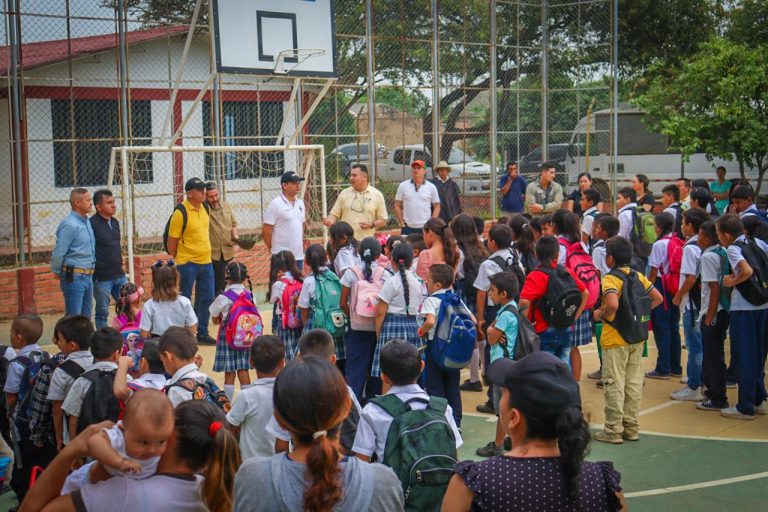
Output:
x=120 y=156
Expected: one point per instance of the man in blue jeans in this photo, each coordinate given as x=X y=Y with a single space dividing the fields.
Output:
x=190 y=245
x=108 y=276
x=74 y=255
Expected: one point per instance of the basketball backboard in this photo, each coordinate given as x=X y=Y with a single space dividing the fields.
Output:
x=252 y=34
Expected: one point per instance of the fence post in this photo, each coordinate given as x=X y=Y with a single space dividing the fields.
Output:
x=615 y=103
x=435 y=89
x=493 y=112
x=13 y=14
x=372 y=153
x=545 y=80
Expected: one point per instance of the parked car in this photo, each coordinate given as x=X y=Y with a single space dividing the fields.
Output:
x=472 y=177
x=357 y=152
x=530 y=164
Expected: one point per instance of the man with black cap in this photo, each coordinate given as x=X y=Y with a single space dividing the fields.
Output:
x=541 y=412
x=190 y=245
x=284 y=218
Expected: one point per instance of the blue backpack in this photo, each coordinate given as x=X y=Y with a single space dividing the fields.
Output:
x=455 y=333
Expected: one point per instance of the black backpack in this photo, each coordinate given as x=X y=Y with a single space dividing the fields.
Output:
x=754 y=289
x=634 y=310
x=562 y=298
x=470 y=275
x=527 y=340
x=184 y=219
x=694 y=294
x=511 y=263
x=99 y=403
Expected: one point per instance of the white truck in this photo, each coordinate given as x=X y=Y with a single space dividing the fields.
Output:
x=640 y=151
x=473 y=178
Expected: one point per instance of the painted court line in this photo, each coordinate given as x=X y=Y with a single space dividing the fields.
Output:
x=700 y=485
x=660 y=407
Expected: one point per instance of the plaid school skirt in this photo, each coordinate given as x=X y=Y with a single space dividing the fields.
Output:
x=341 y=352
x=396 y=327
x=581 y=332
x=227 y=359
x=289 y=336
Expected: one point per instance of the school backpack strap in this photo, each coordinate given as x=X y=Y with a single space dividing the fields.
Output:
x=437 y=404
x=72 y=369
x=391 y=404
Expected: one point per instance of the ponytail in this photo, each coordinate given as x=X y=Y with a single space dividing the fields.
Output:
x=440 y=228
x=370 y=250
x=402 y=255
x=205 y=443
x=220 y=471
x=325 y=473
x=573 y=440
x=315 y=257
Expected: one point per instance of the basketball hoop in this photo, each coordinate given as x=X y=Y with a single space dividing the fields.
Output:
x=295 y=56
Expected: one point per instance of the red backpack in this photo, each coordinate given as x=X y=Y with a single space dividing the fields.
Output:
x=671 y=281
x=289 y=303
x=578 y=261
x=244 y=322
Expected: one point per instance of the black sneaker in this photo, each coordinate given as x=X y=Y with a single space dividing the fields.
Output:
x=486 y=408
x=709 y=405
x=471 y=386
x=204 y=339
x=490 y=450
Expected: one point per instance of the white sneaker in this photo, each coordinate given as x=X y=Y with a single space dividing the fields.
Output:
x=734 y=413
x=762 y=409
x=687 y=394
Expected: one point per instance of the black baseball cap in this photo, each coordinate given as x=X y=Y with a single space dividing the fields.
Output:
x=194 y=184
x=290 y=177
x=541 y=385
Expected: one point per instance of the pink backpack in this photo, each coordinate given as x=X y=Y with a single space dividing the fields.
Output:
x=243 y=323
x=581 y=264
x=363 y=299
x=671 y=281
x=289 y=303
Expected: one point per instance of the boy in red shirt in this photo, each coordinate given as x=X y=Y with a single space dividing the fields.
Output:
x=555 y=341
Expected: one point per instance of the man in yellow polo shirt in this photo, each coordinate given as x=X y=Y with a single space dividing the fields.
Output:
x=625 y=328
x=190 y=245
x=361 y=206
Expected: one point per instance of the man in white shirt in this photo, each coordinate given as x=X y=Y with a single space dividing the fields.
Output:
x=284 y=218
x=684 y=186
x=626 y=202
x=401 y=360
x=416 y=201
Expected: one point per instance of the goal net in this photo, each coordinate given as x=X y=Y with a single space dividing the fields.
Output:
x=149 y=181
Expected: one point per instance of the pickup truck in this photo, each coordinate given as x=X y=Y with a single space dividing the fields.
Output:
x=472 y=177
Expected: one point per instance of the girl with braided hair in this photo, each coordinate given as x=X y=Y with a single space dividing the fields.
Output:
x=228 y=360
x=400 y=299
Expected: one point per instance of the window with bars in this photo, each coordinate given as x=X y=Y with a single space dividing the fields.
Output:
x=245 y=123
x=84 y=133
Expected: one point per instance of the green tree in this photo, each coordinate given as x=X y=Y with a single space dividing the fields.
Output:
x=716 y=102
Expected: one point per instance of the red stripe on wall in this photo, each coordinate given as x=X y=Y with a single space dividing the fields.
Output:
x=113 y=93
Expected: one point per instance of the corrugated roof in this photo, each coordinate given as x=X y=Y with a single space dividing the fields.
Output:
x=35 y=55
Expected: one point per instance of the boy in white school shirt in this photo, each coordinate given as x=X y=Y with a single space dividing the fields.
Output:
x=688 y=298
x=252 y=409
x=401 y=366
x=626 y=201
x=178 y=347
x=590 y=198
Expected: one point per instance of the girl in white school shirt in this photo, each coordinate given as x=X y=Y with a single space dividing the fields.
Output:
x=399 y=302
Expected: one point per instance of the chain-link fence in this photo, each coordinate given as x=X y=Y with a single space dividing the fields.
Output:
x=477 y=83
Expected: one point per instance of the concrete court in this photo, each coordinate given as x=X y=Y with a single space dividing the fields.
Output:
x=686 y=459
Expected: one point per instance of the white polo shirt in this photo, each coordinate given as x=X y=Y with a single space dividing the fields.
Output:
x=288 y=221
x=417 y=202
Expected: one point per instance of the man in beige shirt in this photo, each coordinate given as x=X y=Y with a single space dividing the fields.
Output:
x=223 y=233
x=361 y=206
x=544 y=196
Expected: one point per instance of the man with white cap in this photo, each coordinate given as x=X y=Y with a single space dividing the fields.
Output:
x=448 y=190
x=416 y=201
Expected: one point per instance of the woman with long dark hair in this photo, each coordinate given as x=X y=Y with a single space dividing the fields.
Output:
x=640 y=184
x=540 y=409
x=311 y=401
x=441 y=247
x=573 y=200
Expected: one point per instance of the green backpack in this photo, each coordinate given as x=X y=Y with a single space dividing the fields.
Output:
x=725 y=292
x=643 y=232
x=326 y=312
x=420 y=448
